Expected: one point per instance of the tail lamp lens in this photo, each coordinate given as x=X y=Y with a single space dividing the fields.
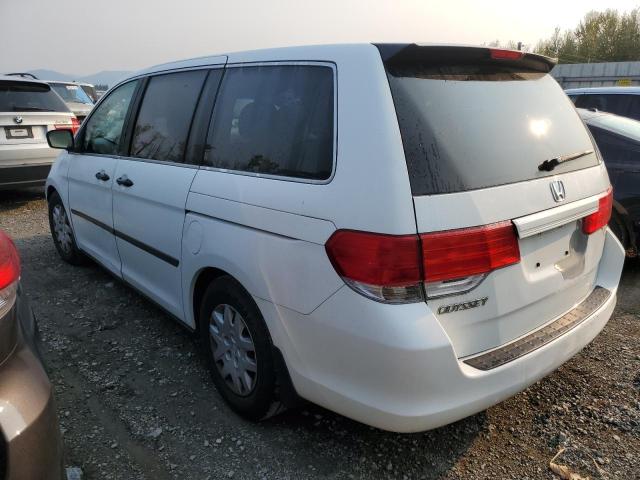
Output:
x=500 y=54
x=9 y=273
x=392 y=268
x=74 y=127
x=599 y=219
x=461 y=253
x=385 y=268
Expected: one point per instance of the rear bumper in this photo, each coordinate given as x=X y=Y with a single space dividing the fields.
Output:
x=23 y=176
x=393 y=366
x=33 y=445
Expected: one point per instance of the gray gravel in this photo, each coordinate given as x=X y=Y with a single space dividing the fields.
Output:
x=136 y=402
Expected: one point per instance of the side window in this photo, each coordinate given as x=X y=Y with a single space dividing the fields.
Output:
x=103 y=130
x=615 y=148
x=275 y=120
x=165 y=115
x=618 y=104
x=634 y=109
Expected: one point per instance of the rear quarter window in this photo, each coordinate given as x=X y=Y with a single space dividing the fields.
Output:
x=29 y=97
x=465 y=127
x=274 y=120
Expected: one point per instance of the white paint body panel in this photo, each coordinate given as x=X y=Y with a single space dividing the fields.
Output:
x=396 y=367
x=152 y=212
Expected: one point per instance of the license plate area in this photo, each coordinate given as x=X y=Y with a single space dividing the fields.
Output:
x=561 y=249
x=17 y=133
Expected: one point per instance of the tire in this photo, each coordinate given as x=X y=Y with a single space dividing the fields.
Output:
x=61 y=231
x=239 y=351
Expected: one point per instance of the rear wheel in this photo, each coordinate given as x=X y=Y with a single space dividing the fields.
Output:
x=61 y=231
x=238 y=349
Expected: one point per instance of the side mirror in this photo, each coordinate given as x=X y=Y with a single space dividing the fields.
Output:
x=60 y=139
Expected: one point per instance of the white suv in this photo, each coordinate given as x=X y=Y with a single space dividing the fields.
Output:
x=403 y=234
x=28 y=109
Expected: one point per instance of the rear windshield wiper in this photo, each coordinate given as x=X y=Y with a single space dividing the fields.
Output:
x=17 y=108
x=552 y=163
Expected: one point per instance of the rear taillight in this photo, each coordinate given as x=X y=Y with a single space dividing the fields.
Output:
x=9 y=273
x=392 y=268
x=385 y=268
x=75 y=125
x=500 y=54
x=600 y=218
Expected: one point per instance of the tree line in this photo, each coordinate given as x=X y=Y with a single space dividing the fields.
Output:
x=608 y=36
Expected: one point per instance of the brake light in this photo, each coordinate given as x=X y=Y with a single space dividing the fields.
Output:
x=391 y=268
x=465 y=252
x=9 y=273
x=74 y=127
x=386 y=268
x=599 y=219
x=500 y=54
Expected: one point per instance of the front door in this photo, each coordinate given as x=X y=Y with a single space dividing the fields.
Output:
x=91 y=174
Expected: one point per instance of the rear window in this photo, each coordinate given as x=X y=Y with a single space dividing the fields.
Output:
x=71 y=93
x=617 y=103
x=29 y=97
x=465 y=127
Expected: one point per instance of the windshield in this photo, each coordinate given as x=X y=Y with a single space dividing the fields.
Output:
x=466 y=127
x=29 y=97
x=71 y=93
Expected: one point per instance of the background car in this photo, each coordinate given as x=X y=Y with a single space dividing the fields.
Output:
x=623 y=101
x=30 y=441
x=75 y=97
x=618 y=139
x=28 y=109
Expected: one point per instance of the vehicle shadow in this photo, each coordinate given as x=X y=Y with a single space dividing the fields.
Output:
x=13 y=199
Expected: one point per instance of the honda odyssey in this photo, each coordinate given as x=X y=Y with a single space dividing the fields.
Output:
x=403 y=234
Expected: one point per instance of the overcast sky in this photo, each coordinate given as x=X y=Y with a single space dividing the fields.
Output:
x=86 y=36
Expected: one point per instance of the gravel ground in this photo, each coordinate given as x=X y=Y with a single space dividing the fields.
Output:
x=135 y=400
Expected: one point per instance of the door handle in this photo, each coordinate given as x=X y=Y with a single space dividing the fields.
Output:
x=101 y=175
x=124 y=181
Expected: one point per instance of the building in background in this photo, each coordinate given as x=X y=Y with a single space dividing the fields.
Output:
x=609 y=74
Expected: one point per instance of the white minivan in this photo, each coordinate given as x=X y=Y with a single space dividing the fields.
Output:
x=403 y=234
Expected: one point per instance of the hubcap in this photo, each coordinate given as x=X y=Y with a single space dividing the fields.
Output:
x=233 y=350
x=61 y=228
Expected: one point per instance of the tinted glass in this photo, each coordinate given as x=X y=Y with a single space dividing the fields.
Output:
x=163 y=123
x=465 y=128
x=103 y=129
x=275 y=120
x=29 y=97
x=605 y=103
x=616 y=148
x=71 y=93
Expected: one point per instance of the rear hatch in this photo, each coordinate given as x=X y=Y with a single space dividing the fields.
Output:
x=509 y=191
x=27 y=111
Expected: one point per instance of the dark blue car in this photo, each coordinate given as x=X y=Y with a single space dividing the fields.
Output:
x=618 y=139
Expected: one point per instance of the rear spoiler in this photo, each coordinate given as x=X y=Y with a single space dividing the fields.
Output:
x=403 y=53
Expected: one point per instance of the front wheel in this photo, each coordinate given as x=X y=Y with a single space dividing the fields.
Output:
x=61 y=231
x=238 y=348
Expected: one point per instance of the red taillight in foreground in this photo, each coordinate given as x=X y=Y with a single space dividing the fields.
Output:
x=594 y=222
x=391 y=268
x=9 y=261
x=9 y=273
x=75 y=125
x=500 y=54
